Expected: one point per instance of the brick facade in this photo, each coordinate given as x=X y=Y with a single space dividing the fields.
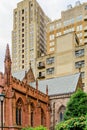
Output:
x=23 y=105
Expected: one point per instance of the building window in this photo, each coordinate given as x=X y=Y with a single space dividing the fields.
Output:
x=79 y=34
x=68 y=22
x=18 y=116
x=22 y=61
x=50 y=60
x=50 y=70
x=22 y=51
x=42 y=117
x=22 y=24
x=22 y=45
x=53 y=114
x=79 y=64
x=85 y=7
x=79 y=18
x=22 y=29
x=58 y=34
x=22 y=35
x=68 y=30
x=22 y=18
x=79 y=28
x=19 y=105
x=32 y=114
x=61 y=113
x=80 y=40
x=51 y=43
x=51 y=49
x=52 y=37
x=51 y=27
x=79 y=53
x=61 y=116
x=58 y=25
x=82 y=75
x=41 y=75
x=83 y=85
x=22 y=40
x=22 y=66
x=22 y=56
x=22 y=11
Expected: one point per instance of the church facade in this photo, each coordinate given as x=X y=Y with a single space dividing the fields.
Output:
x=23 y=105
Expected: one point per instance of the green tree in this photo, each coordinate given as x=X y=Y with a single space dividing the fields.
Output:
x=77 y=105
x=75 y=117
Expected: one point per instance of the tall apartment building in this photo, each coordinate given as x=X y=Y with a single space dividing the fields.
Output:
x=28 y=35
x=73 y=19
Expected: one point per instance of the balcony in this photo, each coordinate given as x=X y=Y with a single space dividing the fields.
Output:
x=41 y=75
x=79 y=53
x=41 y=65
x=85 y=28
x=85 y=18
x=79 y=64
x=85 y=41
x=85 y=34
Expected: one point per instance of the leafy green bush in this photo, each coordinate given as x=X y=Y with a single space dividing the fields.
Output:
x=40 y=128
x=28 y=128
x=36 y=128
x=78 y=123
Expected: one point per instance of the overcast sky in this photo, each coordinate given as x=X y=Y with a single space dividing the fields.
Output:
x=52 y=8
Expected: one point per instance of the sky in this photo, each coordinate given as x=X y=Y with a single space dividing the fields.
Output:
x=52 y=8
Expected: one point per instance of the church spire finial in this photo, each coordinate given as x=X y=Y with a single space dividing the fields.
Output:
x=7 y=64
x=7 y=54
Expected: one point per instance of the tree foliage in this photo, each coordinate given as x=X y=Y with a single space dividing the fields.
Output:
x=75 y=117
x=36 y=128
x=77 y=105
x=77 y=123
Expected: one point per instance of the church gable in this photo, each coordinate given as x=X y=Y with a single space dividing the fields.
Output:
x=29 y=76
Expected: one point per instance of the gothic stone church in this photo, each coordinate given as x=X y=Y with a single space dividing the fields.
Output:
x=29 y=102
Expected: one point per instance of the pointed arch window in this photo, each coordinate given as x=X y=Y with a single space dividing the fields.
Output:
x=61 y=116
x=19 y=105
x=32 y=114
x=61 y=113
x=42 y=117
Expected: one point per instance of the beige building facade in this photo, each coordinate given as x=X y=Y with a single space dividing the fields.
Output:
x=28 y=35
x=55 y=65
x=72 y=19
x=70 y=57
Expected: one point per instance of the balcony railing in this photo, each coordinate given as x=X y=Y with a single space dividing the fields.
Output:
x=85 y=18
x=85 y=41
x=41 y=65
x=85 y=28
x=85 y=34
x=41 y=76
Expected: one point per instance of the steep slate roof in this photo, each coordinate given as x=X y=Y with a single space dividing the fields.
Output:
x=56 y=86
x=59 y=85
